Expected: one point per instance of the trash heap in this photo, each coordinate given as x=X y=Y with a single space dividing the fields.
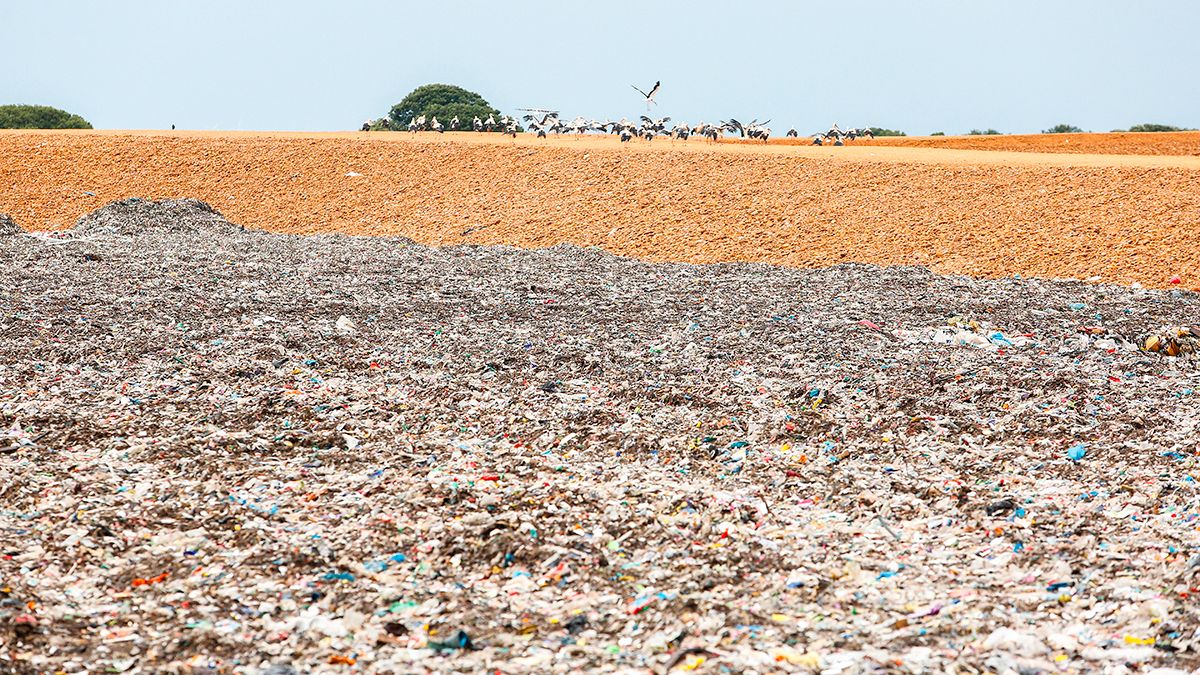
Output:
x=135 y=216
x=280 y=454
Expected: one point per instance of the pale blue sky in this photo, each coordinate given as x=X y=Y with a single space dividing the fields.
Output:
x=920 y=65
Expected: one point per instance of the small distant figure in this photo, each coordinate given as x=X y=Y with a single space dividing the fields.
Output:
x=172 y=127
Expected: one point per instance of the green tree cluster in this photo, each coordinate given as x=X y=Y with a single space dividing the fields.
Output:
x=444 y=101
x=1155 y=127
x=983 y=132
x=1063 y=129
x=39 y=117
x=887 y=132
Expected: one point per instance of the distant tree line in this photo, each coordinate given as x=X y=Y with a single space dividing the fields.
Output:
x=1072 y=129
x=1153 y=127
x=39 y=117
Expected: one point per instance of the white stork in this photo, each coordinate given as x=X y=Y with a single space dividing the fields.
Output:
x=650 y=95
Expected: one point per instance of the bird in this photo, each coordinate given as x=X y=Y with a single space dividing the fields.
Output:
x=792 y=133
x=578 y=125
x=657 y=125
x=477 y=124
x=649 y=96
x=490 y=124
x=435 y=125
x=621 y=125
x=454 y=123
x=758 y=130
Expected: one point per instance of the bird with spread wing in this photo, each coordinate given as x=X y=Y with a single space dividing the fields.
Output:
x=649 y=96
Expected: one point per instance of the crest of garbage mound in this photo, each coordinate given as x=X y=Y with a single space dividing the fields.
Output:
x=134 y=216
x=8 y=227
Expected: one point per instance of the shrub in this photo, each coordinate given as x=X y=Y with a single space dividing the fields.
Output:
x=39 y=117
x=887 y=132
x=985 y=132
x=1063 y=129
x=938 y=133
x=1155 y=127
x=443 y=101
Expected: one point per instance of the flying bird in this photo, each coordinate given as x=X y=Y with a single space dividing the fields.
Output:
x=650 y=96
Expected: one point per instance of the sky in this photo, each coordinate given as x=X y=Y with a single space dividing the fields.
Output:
x=1018 y=66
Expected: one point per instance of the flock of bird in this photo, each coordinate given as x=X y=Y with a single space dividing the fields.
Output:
x=549 y=122
x=646 y=128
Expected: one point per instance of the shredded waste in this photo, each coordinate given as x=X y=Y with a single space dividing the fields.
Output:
x=224 y=451
x=134 y=216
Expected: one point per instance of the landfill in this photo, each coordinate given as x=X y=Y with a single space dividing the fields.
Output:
x=228 y=451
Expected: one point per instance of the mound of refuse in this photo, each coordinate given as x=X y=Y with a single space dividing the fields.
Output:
x=8 y=227
x=545 y=454
x=133 y=216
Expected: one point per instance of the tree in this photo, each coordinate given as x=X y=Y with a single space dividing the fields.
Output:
x=887 y=132
x=938 y=133
x=984 y=132
x=1155 y=127
x=443 y=101
x=1063 y=129
x=39 y=117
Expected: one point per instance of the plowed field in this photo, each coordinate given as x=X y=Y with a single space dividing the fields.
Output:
x=1118 y=218
x=1170 y=143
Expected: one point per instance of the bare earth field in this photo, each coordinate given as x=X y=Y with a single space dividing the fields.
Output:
x=1120 y=143
x=1120 y=218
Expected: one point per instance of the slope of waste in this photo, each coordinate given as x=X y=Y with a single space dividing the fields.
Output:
x=134 y=216
x=286 y=454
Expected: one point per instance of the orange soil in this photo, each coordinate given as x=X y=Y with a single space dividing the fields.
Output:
x=1165 y=143
x=1121 y=219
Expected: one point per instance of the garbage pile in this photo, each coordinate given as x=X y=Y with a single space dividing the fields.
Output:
x=8 y=227
x=135 y=216
x=280 y=454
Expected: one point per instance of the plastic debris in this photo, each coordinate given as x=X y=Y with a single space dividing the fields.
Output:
x=560 y=460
